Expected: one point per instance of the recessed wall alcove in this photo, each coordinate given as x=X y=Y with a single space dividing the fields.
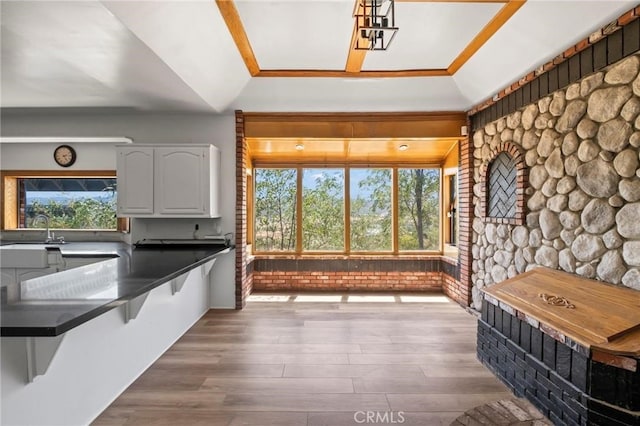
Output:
x=503 y=179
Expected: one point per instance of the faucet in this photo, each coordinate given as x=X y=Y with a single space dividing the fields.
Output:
x=50 y=238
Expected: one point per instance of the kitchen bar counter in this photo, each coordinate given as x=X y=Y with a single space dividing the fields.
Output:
x=53 y=304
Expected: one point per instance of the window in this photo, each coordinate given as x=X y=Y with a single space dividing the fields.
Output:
x=323 y=210
x=451 y=209
x=69 y=202
x=275 y=210
x=419 y=207
x=371 y=224
x=346 y=209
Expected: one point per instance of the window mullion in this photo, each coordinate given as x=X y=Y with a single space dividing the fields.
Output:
x=347 y=210
x=395 y=218
x=299 y=210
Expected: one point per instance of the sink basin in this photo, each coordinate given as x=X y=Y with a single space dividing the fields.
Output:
x=24 y=256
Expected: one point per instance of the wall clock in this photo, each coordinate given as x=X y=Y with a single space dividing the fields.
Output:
x=64 y=155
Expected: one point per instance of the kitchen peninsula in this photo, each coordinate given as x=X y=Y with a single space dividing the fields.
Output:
x=84 y=334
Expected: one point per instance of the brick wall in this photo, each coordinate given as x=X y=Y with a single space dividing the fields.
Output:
x=454 y=289
x=243 y=276
x=347 y=281
x=561 y=377
x=358 y=274
x=465 y=188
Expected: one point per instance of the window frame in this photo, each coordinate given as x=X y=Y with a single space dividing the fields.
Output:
x=9 y=197
x=347 y=252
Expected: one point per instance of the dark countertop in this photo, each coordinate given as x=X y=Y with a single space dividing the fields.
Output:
x=56 y=303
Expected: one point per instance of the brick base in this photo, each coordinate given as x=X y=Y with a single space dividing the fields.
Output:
x=341 y=281
x=561 y=379
x=415 y=274
x=455 y=290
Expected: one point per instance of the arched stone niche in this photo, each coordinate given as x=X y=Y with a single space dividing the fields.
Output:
x=504 y=177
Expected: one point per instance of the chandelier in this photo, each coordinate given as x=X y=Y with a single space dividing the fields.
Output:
x=375 y=24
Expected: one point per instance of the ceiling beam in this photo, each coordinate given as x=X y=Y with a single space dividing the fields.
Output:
x=356 y=57
x=234 y=23
x=452 y=1
x=347 y=74
x=507 y=11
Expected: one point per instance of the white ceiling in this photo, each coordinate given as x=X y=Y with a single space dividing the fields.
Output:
x=180 y=55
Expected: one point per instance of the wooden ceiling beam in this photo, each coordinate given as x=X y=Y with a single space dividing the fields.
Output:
x=234 y=23
x=356 y=57
x=503 y=15
x=452 y=1
x=347 y=74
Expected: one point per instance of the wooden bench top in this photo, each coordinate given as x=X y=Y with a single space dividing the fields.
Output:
x=595 y=314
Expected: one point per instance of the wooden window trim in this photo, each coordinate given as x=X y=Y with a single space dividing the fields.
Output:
x=9 y=219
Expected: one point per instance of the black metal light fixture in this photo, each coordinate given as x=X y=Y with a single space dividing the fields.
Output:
x=375 y=24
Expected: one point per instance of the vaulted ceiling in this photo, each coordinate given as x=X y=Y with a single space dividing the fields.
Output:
x=278 y=55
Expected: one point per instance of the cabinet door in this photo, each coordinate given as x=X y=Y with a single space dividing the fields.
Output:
x=135 y=181
x=182 y=184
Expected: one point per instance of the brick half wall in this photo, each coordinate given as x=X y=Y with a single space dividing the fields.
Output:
x=379 y=274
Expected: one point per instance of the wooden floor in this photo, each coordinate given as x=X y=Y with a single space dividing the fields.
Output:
x=316 y=360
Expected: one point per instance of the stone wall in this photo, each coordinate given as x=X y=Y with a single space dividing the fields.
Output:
x=582 y=147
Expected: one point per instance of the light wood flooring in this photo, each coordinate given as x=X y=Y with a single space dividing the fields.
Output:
x=316 y=359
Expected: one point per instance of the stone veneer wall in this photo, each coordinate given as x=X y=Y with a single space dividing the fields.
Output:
x=582 y=146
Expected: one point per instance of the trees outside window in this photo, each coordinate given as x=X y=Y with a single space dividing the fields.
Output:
x=323 y=210
x=419 y=206
x=69 y=203
x=275 y=209
x=371 y=220
x=371 y=205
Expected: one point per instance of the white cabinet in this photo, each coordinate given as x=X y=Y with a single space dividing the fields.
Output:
x=168 y=181
x=135 y=181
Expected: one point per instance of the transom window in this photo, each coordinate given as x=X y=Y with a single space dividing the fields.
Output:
x=311 y=209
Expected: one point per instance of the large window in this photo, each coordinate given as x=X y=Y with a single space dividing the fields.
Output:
x=275 y=210
x=419 y=207
x=67 y=201
x=371 y=220
x=323 y=209
x=346 y=210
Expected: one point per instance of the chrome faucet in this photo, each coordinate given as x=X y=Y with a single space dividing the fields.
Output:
x=50 y=238
x=44 y=217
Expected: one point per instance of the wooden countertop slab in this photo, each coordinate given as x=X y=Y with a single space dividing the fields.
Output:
x=601 y=315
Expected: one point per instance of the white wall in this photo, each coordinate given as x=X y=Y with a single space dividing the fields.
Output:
x=147 y=128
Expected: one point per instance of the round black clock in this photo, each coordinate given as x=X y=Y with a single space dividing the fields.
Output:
x=64 y=155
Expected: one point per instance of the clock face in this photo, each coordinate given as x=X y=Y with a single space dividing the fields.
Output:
x=64 y=155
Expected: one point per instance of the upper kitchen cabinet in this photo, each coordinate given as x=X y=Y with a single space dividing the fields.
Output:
x=135 y=181
x=168 y=181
